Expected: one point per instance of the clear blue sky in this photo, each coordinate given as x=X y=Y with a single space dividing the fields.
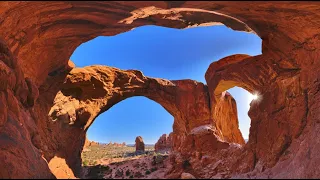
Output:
x=163 y=53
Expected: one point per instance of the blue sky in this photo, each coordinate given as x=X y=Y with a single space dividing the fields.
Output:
x=163 y=53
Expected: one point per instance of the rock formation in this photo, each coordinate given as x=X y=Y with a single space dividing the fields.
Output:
x=164 y=144
x=46 y=105
x=187 y=176
x=139 y=144
x=227 y=119
x=90 y=143
x=93 y=143
x=119 y=144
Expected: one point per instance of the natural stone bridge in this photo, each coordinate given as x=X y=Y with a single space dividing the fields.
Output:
x=46 y=105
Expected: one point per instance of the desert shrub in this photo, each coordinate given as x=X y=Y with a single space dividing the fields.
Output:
x=94 y=163
x=154 y=169
x=85 y=163
x=119 y=173
x=158 y=159
x=106 y=167
x=186 y=164
x=148 y=172
x=138 y=174
x=127 y=172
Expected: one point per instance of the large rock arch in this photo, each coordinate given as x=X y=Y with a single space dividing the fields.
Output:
x=63 y=26
x=40 y=43
x=90 y=91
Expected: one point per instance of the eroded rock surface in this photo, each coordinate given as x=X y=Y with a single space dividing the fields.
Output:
x=45 y=110
x=87 y=92
x=226 y=118
x=139 y=144
x=187 y=176
x=164 y=144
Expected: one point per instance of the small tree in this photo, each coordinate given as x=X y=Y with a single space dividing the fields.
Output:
x=127 y=172
x=85 y=163
x=186 y=164
x=148 y=172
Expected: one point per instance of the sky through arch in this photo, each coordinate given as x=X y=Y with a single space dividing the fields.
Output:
x=165 y=53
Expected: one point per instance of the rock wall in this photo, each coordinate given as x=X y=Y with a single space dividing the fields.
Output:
x=90 y=143
x=43 y=116
x=164 y=144
x=20 y=154
x=226 y=119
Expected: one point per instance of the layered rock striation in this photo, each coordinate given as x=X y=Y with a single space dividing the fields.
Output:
x=47 y=105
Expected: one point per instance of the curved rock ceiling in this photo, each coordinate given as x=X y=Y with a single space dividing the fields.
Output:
x=46 y=105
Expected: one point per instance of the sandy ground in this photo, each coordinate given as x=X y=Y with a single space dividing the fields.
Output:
x=137 y=167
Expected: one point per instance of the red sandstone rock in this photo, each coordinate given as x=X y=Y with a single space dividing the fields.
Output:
x=187 y=176
x=94 y=82
x=119 y=144
x=283 y=139
x=164 y=144
x=139 y=144
x=226 y=119
x=93 y=143
x=90 y=143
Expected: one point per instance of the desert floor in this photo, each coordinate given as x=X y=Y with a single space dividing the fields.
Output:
x=121 y=162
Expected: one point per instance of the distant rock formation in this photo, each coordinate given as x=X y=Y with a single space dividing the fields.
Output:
x=90 y=143
x=164 y=144
x=139 y=144
x=119 y=144
x=93 y=143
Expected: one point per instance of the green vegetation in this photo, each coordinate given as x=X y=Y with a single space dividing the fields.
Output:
x=91 y=154
x=93 y=158
x=154 y=169
x=148 y=172
x=85 y=163
x=186 y=164
x=158 y=159
x=128 y=172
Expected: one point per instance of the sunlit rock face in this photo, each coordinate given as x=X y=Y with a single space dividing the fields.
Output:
x=226 y=118
x=88 y=143
x=164 y=144
x=139 y=144
x=88 y=92
x=44 y=113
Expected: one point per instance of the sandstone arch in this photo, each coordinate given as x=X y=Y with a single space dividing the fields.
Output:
x=76 y=22
x=81 y=21
x=90 y=91
x=256 y=75
x=286 y=118
x=100 y=87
